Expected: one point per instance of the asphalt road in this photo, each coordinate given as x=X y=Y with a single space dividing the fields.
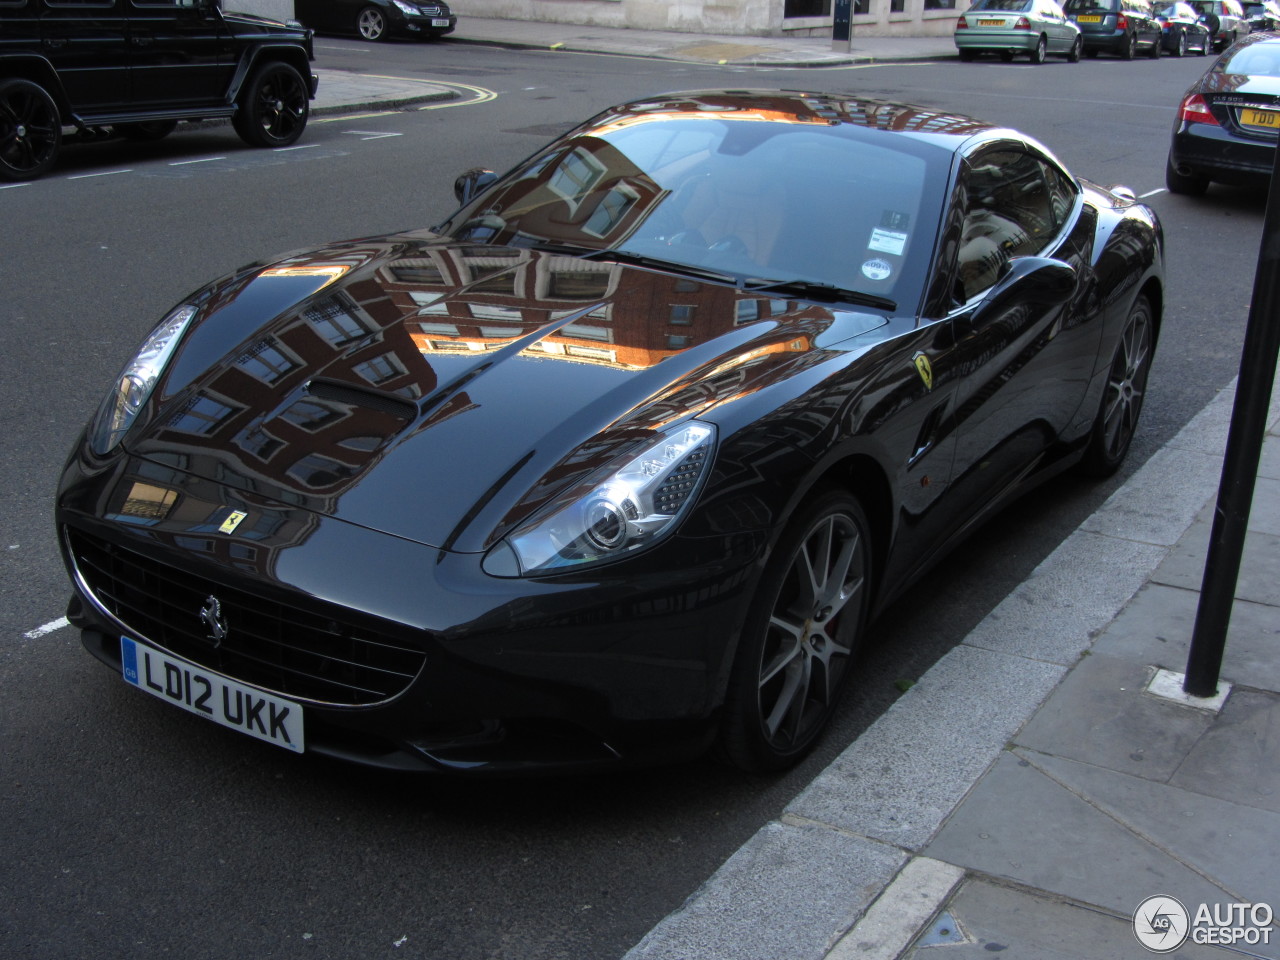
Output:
x=131 y=830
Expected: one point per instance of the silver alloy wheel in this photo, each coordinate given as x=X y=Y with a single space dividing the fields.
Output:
x=805 y=650
x=372 y=23
x=1127 y=383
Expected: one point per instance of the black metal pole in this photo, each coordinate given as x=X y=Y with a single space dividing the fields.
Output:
x=1240 y=465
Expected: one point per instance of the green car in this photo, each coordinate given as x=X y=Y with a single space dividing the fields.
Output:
x=1007 y=27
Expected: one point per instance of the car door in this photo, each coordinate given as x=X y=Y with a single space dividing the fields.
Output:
x=179 y=53
x=1060 y=31
x=86 y=41
x=1023 y=361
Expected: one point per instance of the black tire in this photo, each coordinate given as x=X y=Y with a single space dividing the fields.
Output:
x=30 y=130
x=1189 y=185
x=1156 y=49
x=1180 y=48
x=371 y=24
x=1041 y=51
x=1073 y=55
x=273 y=107
x=1117 y=419
x=802 y=631
x=1130 y=47
x=146 y=131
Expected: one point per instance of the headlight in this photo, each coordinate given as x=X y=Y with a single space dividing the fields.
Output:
x=623 y=508
x=137 y=380
x=408 y=8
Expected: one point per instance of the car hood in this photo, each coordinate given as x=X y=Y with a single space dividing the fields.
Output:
x=443 y=392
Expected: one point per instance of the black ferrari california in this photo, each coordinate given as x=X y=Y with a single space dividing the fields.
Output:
x=621 y=460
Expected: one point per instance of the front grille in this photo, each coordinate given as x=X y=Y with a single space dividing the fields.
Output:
x=315 y=652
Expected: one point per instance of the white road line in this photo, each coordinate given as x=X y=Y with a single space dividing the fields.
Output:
x=49 y=627
x=183 y=163
x=105 y=173
x=370 y=135
x=1151 y=193
x=10 y=186
x=305 y=146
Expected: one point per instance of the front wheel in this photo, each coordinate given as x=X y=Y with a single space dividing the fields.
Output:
x=1117 y=419
x=273 y=107
x=372 y=24
x=805 y=623
x=30 y=130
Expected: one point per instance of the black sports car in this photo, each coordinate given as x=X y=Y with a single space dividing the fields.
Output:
x=621 y=459
x=1227 y=122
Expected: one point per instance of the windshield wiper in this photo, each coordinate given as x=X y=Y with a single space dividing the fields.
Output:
x=657 y=263
x=823 y=292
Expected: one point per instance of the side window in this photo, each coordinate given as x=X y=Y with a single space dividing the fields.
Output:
x=1009 y=213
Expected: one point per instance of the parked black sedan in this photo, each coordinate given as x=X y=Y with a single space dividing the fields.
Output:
x=1225 y=131
x=1184 y=31
x=378 y=19
x=620 y=460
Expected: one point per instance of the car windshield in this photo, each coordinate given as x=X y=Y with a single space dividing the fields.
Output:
x=1256 y=60
x=1010 y=6
x=755 y=196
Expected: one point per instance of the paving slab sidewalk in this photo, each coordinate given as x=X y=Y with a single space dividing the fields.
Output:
x=1030 y=792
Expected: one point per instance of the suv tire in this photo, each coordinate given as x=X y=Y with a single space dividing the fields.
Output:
x=30 y=130
x=273 y=107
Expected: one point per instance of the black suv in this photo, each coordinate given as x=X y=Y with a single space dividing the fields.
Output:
x=137 y=67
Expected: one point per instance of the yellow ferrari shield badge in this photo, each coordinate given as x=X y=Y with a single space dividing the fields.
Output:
x=925 y=369
x=233 y=520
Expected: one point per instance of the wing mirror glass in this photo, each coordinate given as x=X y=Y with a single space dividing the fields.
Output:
x=470 y=184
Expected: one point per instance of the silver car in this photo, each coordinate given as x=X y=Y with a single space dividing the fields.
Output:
x=1007 y=27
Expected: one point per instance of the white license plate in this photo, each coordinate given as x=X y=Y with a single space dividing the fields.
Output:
x=439 y=23
x=213 y=696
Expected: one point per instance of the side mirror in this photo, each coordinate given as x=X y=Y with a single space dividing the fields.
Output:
x=1039 y=280
x=1025 y=283
x=470 y=184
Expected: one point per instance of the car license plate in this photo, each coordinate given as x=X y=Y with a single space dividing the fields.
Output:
x=213 y=696
x=439 y=23
x=991 y=23
x=1260 y=118
x=1088 y=19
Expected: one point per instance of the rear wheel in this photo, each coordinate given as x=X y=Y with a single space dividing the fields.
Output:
x=1073 y=55
x=30 y=130
x=1041 y=50
x=1117 y=419
x=1156 y=49
x=1187 y=184
x=1180 y=48
x=1130 y=48
x=805 y=622
x=273 y=107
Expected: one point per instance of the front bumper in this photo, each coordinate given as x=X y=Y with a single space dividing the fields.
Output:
x=425 y=25
x=625 y=666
